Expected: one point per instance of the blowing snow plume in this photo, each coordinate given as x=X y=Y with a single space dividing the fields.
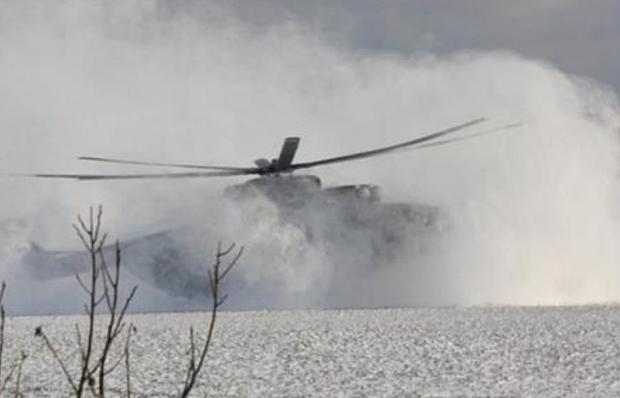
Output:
x=533 y=212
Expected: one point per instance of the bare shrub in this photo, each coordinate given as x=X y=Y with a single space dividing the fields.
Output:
x=102 y=289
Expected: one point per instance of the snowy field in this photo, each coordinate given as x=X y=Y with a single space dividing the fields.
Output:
x=444 y=352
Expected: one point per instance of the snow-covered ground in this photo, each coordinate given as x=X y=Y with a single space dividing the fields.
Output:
x=442 y=352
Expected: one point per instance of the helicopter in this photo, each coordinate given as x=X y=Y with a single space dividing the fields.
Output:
x=165 y=260
x=276 y=179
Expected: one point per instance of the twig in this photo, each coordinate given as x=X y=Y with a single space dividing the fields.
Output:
x=116 y=318
x=38 y=332
x=130 y=330
x=2 y=318
x=18 y=380
x=216 y=276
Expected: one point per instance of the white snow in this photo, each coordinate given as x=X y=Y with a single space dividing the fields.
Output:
x=441 y=352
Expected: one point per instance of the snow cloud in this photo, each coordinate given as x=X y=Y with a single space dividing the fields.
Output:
x=534 y=212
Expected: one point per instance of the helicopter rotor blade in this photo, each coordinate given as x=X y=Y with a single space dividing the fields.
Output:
x=466 y=137
x=162 y=164
x=391 y=148
x=91 y=177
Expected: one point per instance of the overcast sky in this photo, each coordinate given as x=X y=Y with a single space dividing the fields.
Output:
x=581 y=37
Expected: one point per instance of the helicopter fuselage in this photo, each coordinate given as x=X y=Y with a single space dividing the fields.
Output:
x=359 y=205
x=290 y=189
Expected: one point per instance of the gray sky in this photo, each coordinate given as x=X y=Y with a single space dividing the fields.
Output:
x=581 y=37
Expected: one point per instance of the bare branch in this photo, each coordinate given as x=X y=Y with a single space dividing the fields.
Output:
x=212 y=282
x=221 y=301
x=82 y=226
x=191 y=367
x=126 y=305
x=80 y=235
x=85 y=379
x=130 y=330
x=80 y=344
x=232 y=263
x=224 y=253
x=97 y=224
x=2 y=319
x=18 y=380
x=6 y=380
x=215 y=277
x=114 y=365
x=102 y=242
x=38 y=332
x=116 y=324
x=106 y=282
x=91 y=224
x=106 y=270
x=82 y=284
x=192 y=348
x=100 y=299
